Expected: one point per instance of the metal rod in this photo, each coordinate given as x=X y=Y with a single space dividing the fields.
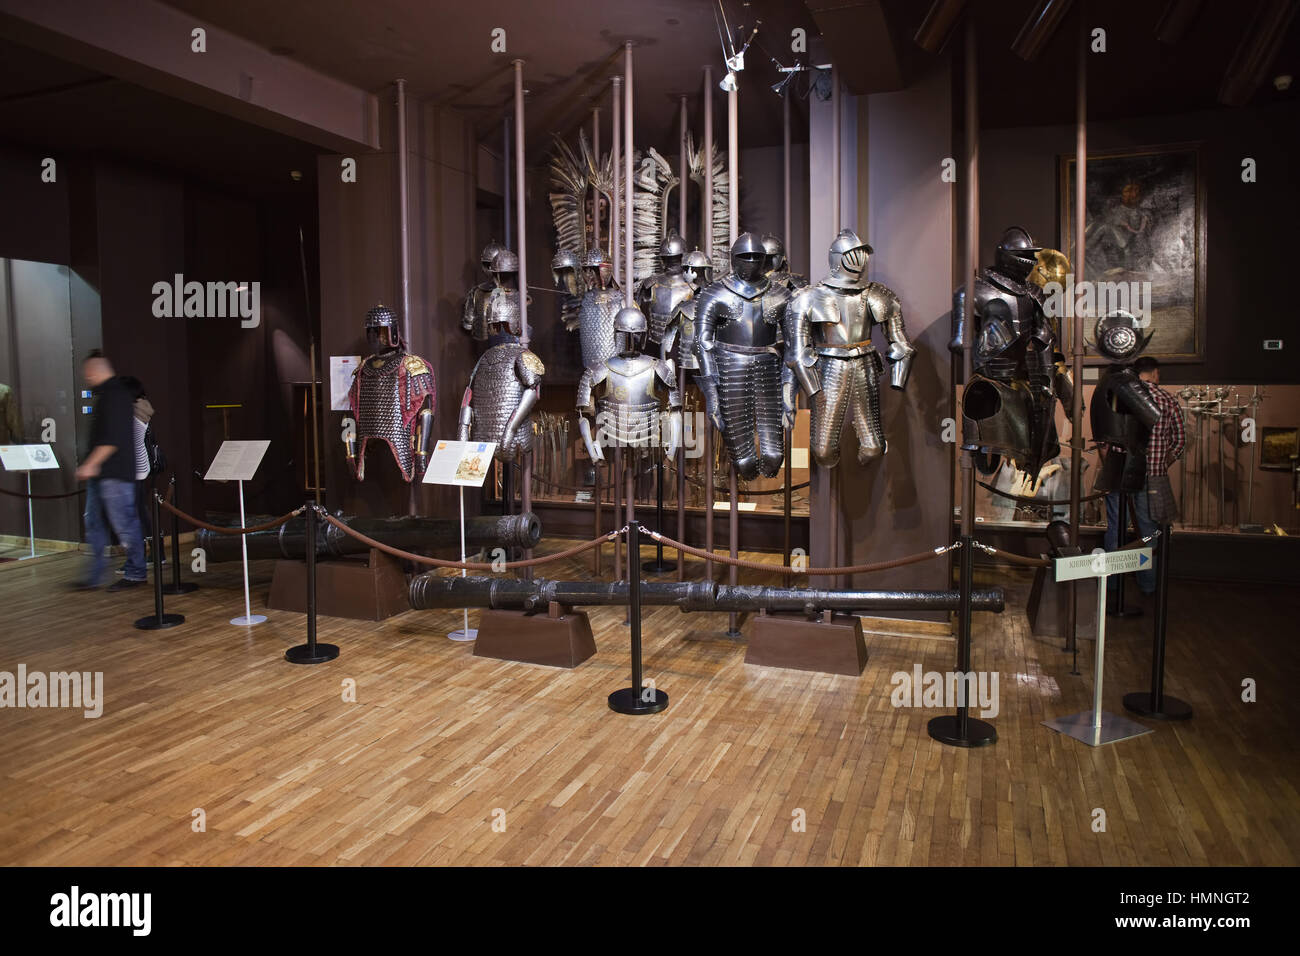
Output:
x=964 y=638
x=683 y=172
x=311 y=578
x=1076 y=343
x=733 y=192
x=706 y=219
x=1222 y=472
x=157 y=556
x=463 y=556
x=614 y=215
x=1099 y=655
x=243 y=544
x=789 y=435
x=1162 y=619
x=520 y=218
x=627 y=172
x=835 y=151
x=526 y=504
x=600 y=504
x=616 y=491
x=505 y=174
x=31 y=519
x=681 y=485
x=788 y=495
x=733 y=572
x=595 y=193
x=404 y=248
x=634 y=596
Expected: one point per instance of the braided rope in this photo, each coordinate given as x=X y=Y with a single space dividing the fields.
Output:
x=218 y=529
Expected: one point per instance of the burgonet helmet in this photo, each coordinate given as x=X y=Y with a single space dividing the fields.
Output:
x=1016 y=254
x=775 y=250
x=673 y=247
x=1119 y=336
x=698 y=266
x=489 y=253
x=630 y=319
x=847 y=258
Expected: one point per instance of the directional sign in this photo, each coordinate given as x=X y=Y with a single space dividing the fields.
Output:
x=1103 y=563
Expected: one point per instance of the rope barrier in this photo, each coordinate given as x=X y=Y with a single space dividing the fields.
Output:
x=218 y=529
x=468 y=565
x=1012 y=557
x=787 y=569
x=1039 y=501
x=23 y=494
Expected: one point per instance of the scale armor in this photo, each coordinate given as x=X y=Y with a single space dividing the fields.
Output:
x=832 y=359
x=596 y=324
x=387 y=395
x=738 y=347
x=503 y=390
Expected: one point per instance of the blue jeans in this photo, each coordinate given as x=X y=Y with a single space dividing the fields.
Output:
x=111 y=503
x=1146 y=580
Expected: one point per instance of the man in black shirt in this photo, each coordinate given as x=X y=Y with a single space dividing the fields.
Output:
x=109 y=471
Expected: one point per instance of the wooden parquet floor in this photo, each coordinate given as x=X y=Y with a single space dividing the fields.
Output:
x=439 y=745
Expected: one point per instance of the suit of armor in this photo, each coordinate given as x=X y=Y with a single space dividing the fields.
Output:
x=1009 y=406
x=738 y=345
x=473 y=317
x=392 y=399
x=660 y=295
x=679 y=336
x=566 y=271
x=1123 y=411
x=600 y=303
x=626 y=394
x=830 y=353
x=779 y=267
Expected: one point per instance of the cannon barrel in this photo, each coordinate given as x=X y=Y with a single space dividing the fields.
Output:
x=432 y=590
x=415 y=534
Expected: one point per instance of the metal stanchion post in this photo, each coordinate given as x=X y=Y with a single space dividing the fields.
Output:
x=659 y=565
x=177 y=586
x=158 y=620
x=636 y=699
x=311 y=652
x=1121 y=539
x=1157 y=703
x=963 y=730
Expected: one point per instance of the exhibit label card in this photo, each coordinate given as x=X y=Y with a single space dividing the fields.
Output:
x=237 y=460
x=27 y=457
x=1102 y=564
x=342 y=368
x=464 y=463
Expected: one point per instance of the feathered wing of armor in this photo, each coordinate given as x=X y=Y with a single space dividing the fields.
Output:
x=652 y=186
x=720 y=254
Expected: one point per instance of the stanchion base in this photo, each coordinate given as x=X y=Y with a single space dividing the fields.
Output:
x=1080 y=726
x=1142 y=704
x=947 y=730
x=306 y=654
x=461 y=634
x=659 y=567
x=185 y=587
x=243 y=621
x=632 y=701
x=155 y=623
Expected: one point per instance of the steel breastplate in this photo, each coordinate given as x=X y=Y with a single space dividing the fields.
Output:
x=686 y=336
x=1007 y=419
x=629 y=405
x=1114 y=425
x=743 y=322
x=667 y=292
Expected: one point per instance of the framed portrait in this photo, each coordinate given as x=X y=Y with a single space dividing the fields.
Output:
x=1144 y=242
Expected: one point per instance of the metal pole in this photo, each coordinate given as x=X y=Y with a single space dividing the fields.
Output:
x=616 y=491
x=683 y=173
x=1076 y=343
x=312 y=652
x=595 y=192
x=402 y=217
x=733 y=190
x=177 y=586
x=1099 y=655
x=526 y=505
x=598 y=495
x=505 y=174
x=614 y=224
x=835 y=151
x=520 y=223
x=1157 y=703
x=159 y=619
x=706 y=217
x=627 y=171
x=31 y=519
x=636 y=700
x=789 y=480
x=789 y=435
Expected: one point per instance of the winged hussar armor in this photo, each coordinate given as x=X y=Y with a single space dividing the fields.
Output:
x=626 y=394
x=739 y=348
x=392 y=399
x=1009 y=406
x=473 y=316
x=830 y=354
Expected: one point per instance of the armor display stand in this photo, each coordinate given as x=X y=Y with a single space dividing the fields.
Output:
x=1157 y=704
x=1120 y=610
x=158 y=620
x=681 y=468
x=598 y=497
x=636 y=700
x=249 y=618
x=29 y=458
x=1096 y=727
x=464 y=633
x=789 y=480
x=311 y=652
x=177 y=586
x=733 y=531
x=616 y=496
x=659 y=565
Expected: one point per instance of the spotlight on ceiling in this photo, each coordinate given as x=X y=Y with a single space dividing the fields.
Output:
x=728 y=83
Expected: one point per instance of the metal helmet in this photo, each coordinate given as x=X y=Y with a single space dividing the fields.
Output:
x=748 y=259
x=1016 y=254
x=565 y=271
x=847 y=258
x=775 y=250
x=505 y=261
x=382 y=317
x=596 y=260
x=489 y=253
x=698 y=267
x=673 y=247
x=630 y=323
x=1119 y=336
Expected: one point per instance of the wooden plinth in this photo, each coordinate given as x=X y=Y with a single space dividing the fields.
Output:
x=792 y=641
x=1047 y=603
x=562 y=640
x=369 y=590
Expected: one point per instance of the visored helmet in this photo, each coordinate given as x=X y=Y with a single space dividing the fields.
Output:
x=775 y=250
x=698 y=268
x=1017 y=253
x=748 y=258
x=673 y=247
x=630 y=323
x=1119 y=336
x=847 y=258
x=489 y=253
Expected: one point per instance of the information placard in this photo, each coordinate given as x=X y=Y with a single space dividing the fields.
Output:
x=463 y=463
x=341 y=369
x=27 y=457
x=1102 y=563
x=237 y=460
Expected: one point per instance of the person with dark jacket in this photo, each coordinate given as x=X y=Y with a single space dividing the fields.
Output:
x=109 y=473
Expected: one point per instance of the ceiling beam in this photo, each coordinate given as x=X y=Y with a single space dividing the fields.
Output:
x=937 y=25
x=1039 y=28
x=1256 y=52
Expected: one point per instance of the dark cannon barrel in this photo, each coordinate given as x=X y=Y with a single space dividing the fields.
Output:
x=415 y=534
x=432 y=590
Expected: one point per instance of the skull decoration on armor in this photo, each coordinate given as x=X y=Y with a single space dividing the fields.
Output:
x=504 y=386
x=392 y=399
x=474 y=315
x=831 y=358
x=600 y=303
x=1008 y=407
x=661 y=294
x=778 y=267
x=626 y=394
x=738 y=346
x=1123 y=411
